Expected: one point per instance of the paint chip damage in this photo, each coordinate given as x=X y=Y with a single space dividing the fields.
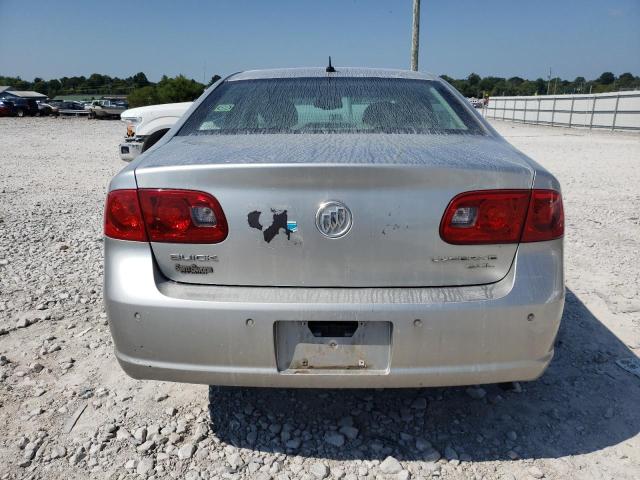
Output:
x=280 y=221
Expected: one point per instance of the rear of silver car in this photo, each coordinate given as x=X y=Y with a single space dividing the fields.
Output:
x=331 y=257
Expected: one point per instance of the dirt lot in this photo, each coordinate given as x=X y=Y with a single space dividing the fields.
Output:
x=580 y=420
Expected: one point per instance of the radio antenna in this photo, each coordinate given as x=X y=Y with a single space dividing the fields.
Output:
x=330 y=68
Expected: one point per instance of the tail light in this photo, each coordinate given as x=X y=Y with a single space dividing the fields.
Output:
x=169 y=216
x=545 y=219
x=182 y=216
x=122 y=216
x=503 y=216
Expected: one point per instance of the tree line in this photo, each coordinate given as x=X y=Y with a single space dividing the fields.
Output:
x=168 y=90
x=476 y=86
x=140 y=91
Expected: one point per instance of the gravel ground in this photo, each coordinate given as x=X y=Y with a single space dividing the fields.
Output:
x=68 y=411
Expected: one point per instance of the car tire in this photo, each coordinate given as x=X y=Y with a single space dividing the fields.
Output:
x=20 y=113
x=153 y=139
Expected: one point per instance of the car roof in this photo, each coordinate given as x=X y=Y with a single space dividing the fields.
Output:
x=341 y=72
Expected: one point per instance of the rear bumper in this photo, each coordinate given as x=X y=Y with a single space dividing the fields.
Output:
x=199 y=334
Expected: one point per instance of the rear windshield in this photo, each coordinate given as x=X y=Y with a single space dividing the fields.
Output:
x=331 y=105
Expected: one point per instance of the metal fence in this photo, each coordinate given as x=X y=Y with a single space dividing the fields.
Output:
x=612 y=111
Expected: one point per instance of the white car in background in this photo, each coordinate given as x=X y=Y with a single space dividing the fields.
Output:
x=476 y=102
x=147 y=125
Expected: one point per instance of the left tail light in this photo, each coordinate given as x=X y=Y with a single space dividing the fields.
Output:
x=122 y=216
x=182 y=216
x=162 y=215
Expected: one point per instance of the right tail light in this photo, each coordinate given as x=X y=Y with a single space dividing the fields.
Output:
x=503 y=216
x=545 y=218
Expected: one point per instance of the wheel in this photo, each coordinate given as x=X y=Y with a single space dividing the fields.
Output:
x=20 y=113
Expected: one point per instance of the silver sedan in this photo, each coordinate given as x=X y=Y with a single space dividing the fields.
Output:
x=356 y=228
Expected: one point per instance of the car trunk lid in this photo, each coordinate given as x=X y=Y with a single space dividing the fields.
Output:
x=396 y=188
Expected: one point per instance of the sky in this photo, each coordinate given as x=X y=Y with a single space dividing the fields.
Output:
x=55 y=38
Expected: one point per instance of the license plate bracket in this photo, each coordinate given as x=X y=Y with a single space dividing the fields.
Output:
x=367 y=350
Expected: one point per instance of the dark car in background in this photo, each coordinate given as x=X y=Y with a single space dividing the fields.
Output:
x=46 y=109
x=21 y=107
x=55 y=103
x=6 y=109
x=71 y=108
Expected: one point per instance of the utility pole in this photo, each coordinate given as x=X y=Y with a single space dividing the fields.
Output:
x=415 y=35
x=549 y=81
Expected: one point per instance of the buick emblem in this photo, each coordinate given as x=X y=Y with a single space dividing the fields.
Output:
x=333 y=219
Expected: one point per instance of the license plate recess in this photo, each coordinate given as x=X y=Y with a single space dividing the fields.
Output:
x=301 y=349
